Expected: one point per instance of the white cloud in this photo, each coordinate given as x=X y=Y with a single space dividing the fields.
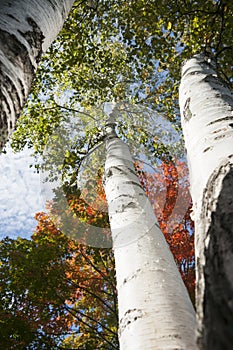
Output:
x=19 y=195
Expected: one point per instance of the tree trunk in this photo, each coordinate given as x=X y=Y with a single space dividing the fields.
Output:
x=155 y=311
x=207 y=118
x=27 y=28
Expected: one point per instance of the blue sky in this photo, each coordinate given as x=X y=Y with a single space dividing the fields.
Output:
x=20 y=195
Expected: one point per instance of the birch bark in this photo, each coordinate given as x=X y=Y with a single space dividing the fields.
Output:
x=206 y=106
x=155 y=311
x=27 y=28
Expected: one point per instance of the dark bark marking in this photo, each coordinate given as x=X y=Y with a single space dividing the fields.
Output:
x=219 y=130
x=52 y=4
x=132 y=276
x=133 y=183
x=17 y=54
x=220 y=137
x=109 y=173
x=207 y=149
x=217 y=332
x=126 y=206
x=121 y=170
x=121 y=195
x=35 y=38
x=13 y=17
x=223 y=136
x=187 y=112
x=220 y=120
x=6 y=102
x=14 y=50
x=3 y=120
x=214 y=80
x=228 y=98
x=129 y=205
x=22 y=88
x=187 y=71
x=9 y=86
x=130 y=316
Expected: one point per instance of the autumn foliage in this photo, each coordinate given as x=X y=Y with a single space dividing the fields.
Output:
x=58 y=293
x=167 y=189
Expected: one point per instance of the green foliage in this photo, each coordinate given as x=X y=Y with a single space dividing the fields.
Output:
x=123 y=50
x=29 y=271
x=55 y=293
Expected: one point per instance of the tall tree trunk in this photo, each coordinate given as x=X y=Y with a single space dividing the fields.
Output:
x=207 y=118
x=27 y=28
x=155 y=311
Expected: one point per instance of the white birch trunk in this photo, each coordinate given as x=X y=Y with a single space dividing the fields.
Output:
x=206 y=106
x=155 y=311
x=27 y=28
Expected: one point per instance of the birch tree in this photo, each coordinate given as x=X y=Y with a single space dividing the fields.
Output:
x=206 y=106
x=154 y=39
x=27 y=29
x=155 y=311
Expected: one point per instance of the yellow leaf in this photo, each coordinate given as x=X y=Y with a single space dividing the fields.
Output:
x=169 y=25
x=195 y=22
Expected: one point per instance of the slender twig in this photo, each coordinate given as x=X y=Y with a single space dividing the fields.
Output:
x=95 y=331
x=76 y=111
x=95 y=268
x=91 y=293
x=93 y=320
x=223 y=49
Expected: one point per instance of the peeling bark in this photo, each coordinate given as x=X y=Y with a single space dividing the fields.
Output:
x=155 y=311
x=27 y=28
x=209 y=142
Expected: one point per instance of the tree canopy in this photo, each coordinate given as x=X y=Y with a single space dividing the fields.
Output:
x=124 y=50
